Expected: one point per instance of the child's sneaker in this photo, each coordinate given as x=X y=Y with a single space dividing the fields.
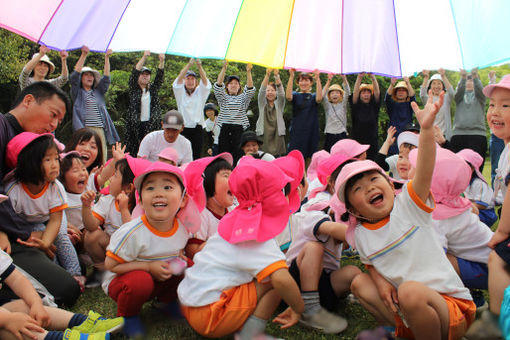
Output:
x=485 y=328
x=133 y=328
x=72 y=334
x=95 y=279
x=324 y=321
x=96 y=323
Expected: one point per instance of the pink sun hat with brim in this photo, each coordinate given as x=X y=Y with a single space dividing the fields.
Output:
x=450 y=179
x=21 y=141
x=408 y=137
x=504 y=83
x=349 y=148
x=293 y=165
x=194 y=173
x=317 y=157
x=263 y=210
x=473 y=158
x=189 y=216
x=326 y=168
x=170 y=154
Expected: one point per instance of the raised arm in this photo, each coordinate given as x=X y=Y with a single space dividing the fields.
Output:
x=29 y=67
x=249 y=78
x=461 y=87
x=142 y=60
x=478 y=87
x=410 y=89
x=355 y=94
x=261 y=99
x=221 y=75
x=318 y=95
x=182 y=74
x=107 y=62
x=81 y=61
x=426 y=146
x=444 y=78
x=390 y=88
x=63 y=59
x=290 y=85
x=201 y=71
x=377 y=91
x=265 y=81
x=426 y=77
x=326 y=86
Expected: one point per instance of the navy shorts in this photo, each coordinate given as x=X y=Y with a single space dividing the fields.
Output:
x=473 y=274
x=503 y=250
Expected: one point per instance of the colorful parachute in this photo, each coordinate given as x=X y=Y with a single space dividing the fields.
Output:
x=389 y=37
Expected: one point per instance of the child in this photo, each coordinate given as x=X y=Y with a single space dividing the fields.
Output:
x=350 y=148
x=304 y=127
x=111 y=211
x=145 y=257
x=250 y=144
x=335 y=109
x=239 y=277
x=28 y=318
x=398 y=101
x=327 y=173
x=233 y=103
x=212 y=127
x=311 y=171
x=37 y=195
x=207 y=180
x=169 y=155
x=498 y=117
x=478 y=191
x=411 y=283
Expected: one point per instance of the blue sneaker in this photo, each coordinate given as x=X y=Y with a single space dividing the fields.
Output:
x=133 y=327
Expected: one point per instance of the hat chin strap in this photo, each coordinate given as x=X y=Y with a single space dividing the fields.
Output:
x=361 y=218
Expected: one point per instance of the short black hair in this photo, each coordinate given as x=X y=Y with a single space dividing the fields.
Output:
x=146 y=177
x=210 y=175
x=66 y=163
x=122 y=166
x=84 y=135
x=42 y=91
x=29 y=168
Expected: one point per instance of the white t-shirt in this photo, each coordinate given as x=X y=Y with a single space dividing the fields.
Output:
x=37 y=208
x=464 y=236
x=263 y=156
x=107 y=211
x=392 y=163
x=305 y=229
x=153 y=143
x=215 y=128
x=145 y=106
x=208 y=225
x=221 y=266
x=403 y=247
x=192 y=106
x=480 y=192
x=73 y=211
x=137 y=240
x=501 y=172
x=6 y=265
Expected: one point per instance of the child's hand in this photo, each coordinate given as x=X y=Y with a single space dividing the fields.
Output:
x=87 y=198
x=438 y=135
x=497 y=238
x=287 y=318
x=75 y=235
x=21 y=324
x=123 y=200
x=390 y=138
x=159 y=270
x=388 y=294
x=118 y=151
x=5 y=245
x=427 y=115
x=38 y=313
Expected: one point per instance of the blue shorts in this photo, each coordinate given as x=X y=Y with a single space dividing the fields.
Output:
x=503 y=250
x=473 y=274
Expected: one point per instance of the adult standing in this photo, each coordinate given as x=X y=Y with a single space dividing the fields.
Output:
x=39 y=108
x=365 y=105
x=88 y=89
x=469 y=130
x=40 y=67
x=144 y=112
x=191 y=96
x=270 y=124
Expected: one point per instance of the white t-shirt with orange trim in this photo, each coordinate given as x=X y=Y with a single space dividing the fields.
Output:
x=37 y=208
x=403 y=247
x=208 y=225
x=137 y=240
x=73 y=211
x=221 y=266
x=107 y=211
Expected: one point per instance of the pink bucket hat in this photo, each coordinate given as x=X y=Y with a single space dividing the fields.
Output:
x=450 y=179
x=473 y=158
x=293 y=165
x=504 y=83
x=21 y=141
x=317 y=157
x=349 y=147
x=189 y=216
x=263 y=210
x=170 y=154
x=326 y=168
x=194 y=173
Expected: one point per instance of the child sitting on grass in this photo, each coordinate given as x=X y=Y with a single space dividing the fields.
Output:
x=411 y=284
x=240 y=275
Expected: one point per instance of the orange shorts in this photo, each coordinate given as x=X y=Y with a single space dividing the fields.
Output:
x=226 y=315
x=461 y=312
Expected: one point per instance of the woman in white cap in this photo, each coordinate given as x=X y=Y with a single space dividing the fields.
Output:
x=437 y=83
x=40 y=67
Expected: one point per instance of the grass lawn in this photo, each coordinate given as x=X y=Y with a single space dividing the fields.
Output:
x=161 y=327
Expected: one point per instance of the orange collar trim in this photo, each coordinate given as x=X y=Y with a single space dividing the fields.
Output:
x=376 y=225
x=36 y=195
x=160 y=233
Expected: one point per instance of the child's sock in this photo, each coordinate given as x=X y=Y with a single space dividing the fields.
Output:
x=252 y=327
x=76 y=320
x=312 y=302
x=54 y=335
x=133 y=326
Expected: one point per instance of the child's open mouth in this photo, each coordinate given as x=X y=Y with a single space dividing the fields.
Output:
x=376 y=199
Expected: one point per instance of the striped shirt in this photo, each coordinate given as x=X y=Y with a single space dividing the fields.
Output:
x=92 y=115
x=233 y=108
